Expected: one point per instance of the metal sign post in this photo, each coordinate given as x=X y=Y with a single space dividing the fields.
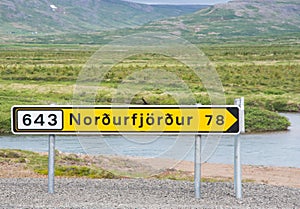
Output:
x=51 y=160
x=237 y=168
x=197 y=167
x=237 y=152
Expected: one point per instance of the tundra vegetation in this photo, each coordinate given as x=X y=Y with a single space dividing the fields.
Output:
x=267 y=75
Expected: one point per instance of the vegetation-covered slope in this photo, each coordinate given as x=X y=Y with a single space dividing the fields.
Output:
x=236 y=21
x=78 y=16
x=237 y=18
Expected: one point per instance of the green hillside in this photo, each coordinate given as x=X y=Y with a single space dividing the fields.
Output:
x=238 y=18
x=79 y=16
x=247 y=21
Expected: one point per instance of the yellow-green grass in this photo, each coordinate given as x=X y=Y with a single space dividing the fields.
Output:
x=268 y=76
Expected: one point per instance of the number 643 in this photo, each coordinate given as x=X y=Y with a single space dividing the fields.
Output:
x=51 y=120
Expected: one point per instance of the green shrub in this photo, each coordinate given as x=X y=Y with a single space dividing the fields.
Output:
x=281 y=105
x=83 y=171
x=259 y=120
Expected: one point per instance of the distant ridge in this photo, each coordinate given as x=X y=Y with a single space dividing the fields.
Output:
x=80 y=16
x=237 y=18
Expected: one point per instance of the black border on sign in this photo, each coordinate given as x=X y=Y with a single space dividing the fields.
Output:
x=233 y=109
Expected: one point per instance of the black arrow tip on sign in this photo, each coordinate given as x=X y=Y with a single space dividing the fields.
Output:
x=235 y=128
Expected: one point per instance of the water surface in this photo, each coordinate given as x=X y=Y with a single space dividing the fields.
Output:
x=269 y=149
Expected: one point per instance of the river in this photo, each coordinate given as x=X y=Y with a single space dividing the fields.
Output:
x=268 y=149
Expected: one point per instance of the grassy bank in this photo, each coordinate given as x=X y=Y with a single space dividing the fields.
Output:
x=95 y=167
x=65 y=165
x=72 y=165
x=268 y=76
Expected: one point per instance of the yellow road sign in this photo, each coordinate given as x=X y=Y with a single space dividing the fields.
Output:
x=125 y=119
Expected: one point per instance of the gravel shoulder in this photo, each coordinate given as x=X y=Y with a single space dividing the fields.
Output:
x=270 y=187
x=140 y=193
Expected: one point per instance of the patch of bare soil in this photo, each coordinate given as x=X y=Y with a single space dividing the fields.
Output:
x=16 y=170
x=283 y=176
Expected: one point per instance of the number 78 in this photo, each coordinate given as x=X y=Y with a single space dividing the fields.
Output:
x=219 y=119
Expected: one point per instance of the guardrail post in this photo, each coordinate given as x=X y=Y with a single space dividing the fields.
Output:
x=197 y=167
x=51 y=161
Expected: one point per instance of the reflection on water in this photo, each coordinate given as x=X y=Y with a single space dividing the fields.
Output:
x=275 y=149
